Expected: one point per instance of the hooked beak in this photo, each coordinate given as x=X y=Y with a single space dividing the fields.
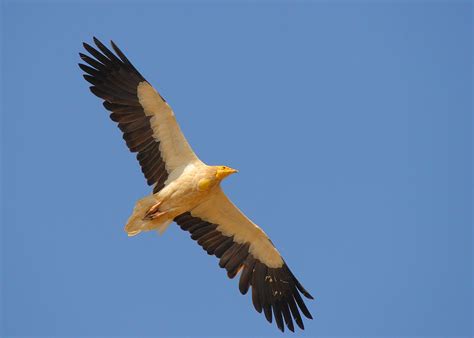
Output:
x=222 y=173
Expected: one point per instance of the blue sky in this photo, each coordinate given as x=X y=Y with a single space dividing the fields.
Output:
x=350 y=123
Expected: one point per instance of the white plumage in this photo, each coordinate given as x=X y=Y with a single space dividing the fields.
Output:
x=187 y=191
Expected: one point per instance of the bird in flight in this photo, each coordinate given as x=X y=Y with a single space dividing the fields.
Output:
x=187 y=191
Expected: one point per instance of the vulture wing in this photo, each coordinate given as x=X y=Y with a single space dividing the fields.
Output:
x=221 y=229
x=148 y=123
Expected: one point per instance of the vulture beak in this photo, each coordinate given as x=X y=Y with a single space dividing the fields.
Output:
x=223 y=172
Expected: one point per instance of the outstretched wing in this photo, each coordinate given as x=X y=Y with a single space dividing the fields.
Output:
x=224 y=231
x=148 y=124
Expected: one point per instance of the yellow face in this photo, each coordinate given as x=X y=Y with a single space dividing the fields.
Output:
x=223 y=171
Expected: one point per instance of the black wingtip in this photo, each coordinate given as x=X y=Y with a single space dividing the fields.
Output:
x=306 y=294
x=268 y=313
x=303 y=290
x=119 y=52
x=98 y=43
x=298 y=284
x=300 y=324
x=87 y=46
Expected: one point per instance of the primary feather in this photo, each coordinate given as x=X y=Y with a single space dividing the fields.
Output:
x=187 y=191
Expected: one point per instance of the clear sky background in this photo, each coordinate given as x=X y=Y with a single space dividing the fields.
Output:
x=350 y=123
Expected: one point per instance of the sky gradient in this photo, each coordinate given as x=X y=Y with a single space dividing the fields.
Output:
x=350 y=124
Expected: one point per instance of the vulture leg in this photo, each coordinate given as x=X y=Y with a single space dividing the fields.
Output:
x=154 y=212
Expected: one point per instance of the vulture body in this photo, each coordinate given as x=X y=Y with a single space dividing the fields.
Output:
x=187 y=191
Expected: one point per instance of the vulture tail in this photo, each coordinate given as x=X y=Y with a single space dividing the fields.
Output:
x=139 y=221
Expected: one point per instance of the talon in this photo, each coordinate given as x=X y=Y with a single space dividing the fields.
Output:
x=154 y=215
x=153 y=212
x=154 y=208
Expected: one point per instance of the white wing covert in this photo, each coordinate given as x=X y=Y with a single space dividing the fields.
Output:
x=148 y=123
x=221 y=229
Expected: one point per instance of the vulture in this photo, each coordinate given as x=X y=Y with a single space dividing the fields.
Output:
x=187 y=191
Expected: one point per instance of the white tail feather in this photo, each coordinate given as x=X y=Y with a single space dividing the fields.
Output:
x=137 y=224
